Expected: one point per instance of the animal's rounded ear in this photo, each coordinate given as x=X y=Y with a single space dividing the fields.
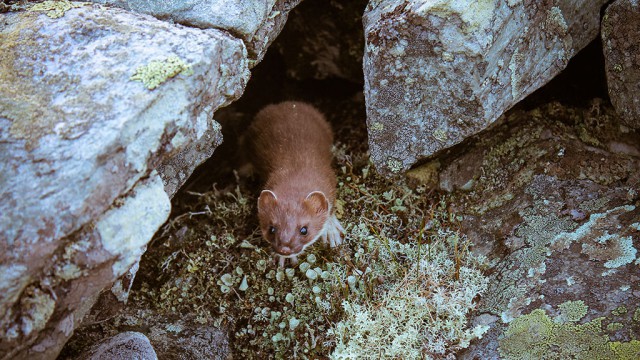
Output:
x=317 y=202
x=267 y=199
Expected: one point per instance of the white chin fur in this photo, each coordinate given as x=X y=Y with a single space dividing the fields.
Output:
x=331 y=234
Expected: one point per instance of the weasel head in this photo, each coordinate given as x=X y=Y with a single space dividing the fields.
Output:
x=290 y=225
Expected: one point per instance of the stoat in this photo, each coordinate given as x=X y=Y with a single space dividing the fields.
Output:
x=290 y=148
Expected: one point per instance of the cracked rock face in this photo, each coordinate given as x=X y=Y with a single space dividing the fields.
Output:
x=437 y=72
x=79 y=142
x=621 y=45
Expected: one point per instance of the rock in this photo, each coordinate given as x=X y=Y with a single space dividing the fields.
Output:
x=620 y=39
x=437 y=72
x=124 y=346
x=257 y=23
x=333 y=47
x=79 y=140
x=557 y=214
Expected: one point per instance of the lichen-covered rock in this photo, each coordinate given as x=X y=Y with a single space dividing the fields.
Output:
x=257 y=23
x=621 y=45
x=437 y=72
x=552 y=199
x=81 y=132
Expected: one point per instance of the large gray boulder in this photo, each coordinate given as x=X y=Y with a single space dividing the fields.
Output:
x=92 y=101
x=437 y=72
x=620 y=41
x=257 y=23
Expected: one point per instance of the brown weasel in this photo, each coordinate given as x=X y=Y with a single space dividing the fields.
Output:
x=290 y=144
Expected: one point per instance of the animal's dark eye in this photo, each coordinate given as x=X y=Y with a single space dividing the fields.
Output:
x=303 y=230
x=272 y=230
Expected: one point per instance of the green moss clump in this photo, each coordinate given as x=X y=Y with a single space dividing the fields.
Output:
x=157 y=72
x=538 y=336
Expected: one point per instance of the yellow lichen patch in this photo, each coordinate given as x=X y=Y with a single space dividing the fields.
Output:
x=56 y=9
x=159 y=71
x=537 y=336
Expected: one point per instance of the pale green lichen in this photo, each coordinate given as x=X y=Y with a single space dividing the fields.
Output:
x=475 y=15
x=619 y=250
x=400 y=323
x=440 y=135
x=69 y=271
x=509 y=292
x=572 y=311
x=394 y=165
x=37 y=308
x=555 y=21
x=620 y=310
x=515 y=63
x=377 y=126
x=537 y=336
x=56 y=9
x=159 y=71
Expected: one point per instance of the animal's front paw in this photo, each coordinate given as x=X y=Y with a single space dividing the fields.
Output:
x=333 y=232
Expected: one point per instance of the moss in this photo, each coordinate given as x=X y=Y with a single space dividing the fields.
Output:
x=538 y=336
x=159 y=71
x=56 y=9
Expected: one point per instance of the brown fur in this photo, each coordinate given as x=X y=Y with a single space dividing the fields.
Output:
x=290 y=145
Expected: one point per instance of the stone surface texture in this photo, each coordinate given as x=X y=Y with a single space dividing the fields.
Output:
x=257 y=23
x=437 y=72
x=79 y=142
x=621 y=45
x=550 y=197
x=124 y=346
